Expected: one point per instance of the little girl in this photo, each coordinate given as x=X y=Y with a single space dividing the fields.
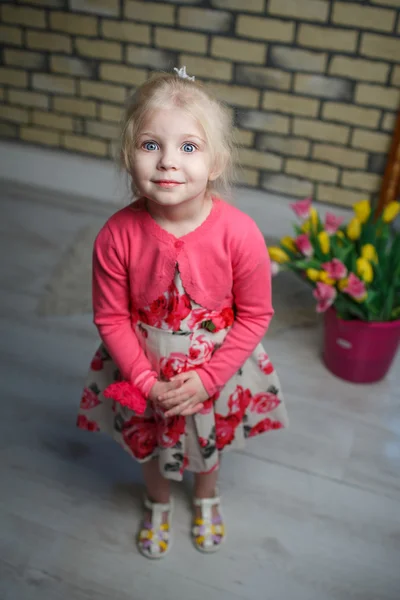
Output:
x=182 y=300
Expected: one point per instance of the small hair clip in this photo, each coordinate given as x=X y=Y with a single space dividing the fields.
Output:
x=182 y=74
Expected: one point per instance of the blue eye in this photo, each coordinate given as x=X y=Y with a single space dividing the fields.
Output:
x=188 y=147
x=150 y=146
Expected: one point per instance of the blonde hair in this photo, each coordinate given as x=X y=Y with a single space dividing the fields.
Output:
x=165 y=90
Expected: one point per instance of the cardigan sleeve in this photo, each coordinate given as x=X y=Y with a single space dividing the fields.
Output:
x=112 y=314
x=253 y=313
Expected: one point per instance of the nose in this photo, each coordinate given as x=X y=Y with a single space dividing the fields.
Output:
x=167 y=160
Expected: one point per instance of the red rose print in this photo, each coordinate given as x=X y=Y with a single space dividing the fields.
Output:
x=89 y=399
x=265 y=425
x=225 y=429
x=170 y=430
x=140 y=435
x=155 y=314
x=84 y=423
x=200 y=350
x=203 y=442
x=126 y=394
x=197 y=316
x=264 y=402
x=173 y=365
x=97 y=362
x=184 y=465
x=265 y=364
x=179 y=307
x=239 y=400
x=208 y=406
x=218 y=321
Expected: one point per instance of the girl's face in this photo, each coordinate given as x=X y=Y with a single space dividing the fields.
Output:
x=172 y=163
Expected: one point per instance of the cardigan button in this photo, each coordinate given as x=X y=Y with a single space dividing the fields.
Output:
x=178 y=244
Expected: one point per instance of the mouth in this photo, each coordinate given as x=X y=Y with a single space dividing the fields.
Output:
x=166 y=183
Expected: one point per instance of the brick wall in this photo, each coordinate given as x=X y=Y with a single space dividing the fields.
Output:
x=314 y=84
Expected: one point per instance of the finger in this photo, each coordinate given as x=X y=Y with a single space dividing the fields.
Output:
x=182 y=376
x=181 y=391
x=192 y=410
x=177 y=410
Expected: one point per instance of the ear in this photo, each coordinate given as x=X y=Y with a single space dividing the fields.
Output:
x=218 y=167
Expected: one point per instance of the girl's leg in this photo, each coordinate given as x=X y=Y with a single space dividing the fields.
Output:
x=157 y=487
x=208 y=529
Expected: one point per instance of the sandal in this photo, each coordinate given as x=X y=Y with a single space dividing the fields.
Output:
x=208 y=532
x=154 y=539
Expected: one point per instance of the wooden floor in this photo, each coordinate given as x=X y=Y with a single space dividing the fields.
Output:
x=312 y=513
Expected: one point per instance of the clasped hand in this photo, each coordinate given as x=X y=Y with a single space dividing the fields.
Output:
x=183 y=395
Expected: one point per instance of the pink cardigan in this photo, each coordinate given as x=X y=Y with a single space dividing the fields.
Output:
x=224 y=262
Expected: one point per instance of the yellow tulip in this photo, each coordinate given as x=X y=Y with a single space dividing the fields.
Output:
x=340 y=234
x=313 y=274
x=324 y=241
x=354 y=229
x=324 y=277
x=362 y=210
x=314 y=218
x=278 y=255
x=343 y=283
x=288 y=243
x=391 y=211
x=368 y=251
x=365 y=270
x=305 y=228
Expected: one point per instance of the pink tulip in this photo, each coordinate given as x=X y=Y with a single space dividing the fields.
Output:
x=302 y=208
x=335 y=269
x=304 y=245
x=355 y=287
x=325 y=295
x=274 y=268
x=332 y=223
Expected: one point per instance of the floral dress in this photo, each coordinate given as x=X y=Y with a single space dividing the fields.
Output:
x=178 y=335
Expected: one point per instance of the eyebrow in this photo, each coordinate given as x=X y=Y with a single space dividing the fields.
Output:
x=184 y=135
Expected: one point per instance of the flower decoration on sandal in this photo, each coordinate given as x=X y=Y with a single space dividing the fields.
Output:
x=128 y=395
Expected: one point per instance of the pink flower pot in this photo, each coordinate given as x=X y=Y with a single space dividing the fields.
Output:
x=359 y=351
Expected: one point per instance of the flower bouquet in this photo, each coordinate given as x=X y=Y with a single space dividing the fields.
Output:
x=353 y=267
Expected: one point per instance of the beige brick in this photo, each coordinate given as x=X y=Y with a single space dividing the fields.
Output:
x=25 y=59
x=103 y=91
x=2 y=93
x=181 y=40
x=40 y=136
x=265 y=29
x=54 y=83
x=50 y=3
x=8 y=131
x=126 y=32
x=289 y=146
x=263 y=78
x=377 y=95
x=259 y=160
x=358 y=68
x=71 y=66
x=396 y=76
x=74 y=24
x=263 y=121
x=324 y=87
x=236 y=95
x=361 y=181
x=84 y=144
x=149 y=12
x=19 y=15
x=55 y=42
x=395 y=3
x=105 y=8
x=251 y=5
x=287 y=103
x=53 y=121
x=111 y=113
x=338 y=195
x=208 y=68
x=244 y=138
x=307 y=10
x=363 y=17
x=11 y=35
x=339 y=155
x=354 y=115
x=370 y=140
x=29 y=99
x=120 y=74
x=248 y=177
x=14 y=114
x=161 y=60
x=102 y=130
x=389 y=121
x=283 y=184
x=380 y=46
x=74 y=106
x=99 y=49
x=13 y=77
x=207 y=20
x=327 y=38
x=316 y=130
x=295 y=59
x=238 y=50
x=311 y=170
